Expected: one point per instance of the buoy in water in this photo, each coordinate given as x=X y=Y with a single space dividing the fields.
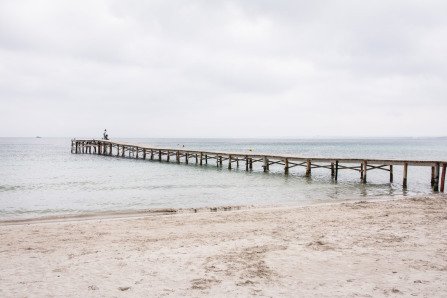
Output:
x=251 y=149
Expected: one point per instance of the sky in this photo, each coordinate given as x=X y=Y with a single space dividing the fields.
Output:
x=222 y=69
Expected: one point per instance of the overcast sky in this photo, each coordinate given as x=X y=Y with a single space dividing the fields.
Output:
x=247 y=68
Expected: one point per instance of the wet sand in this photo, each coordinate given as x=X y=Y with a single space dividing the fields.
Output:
x=388 y=248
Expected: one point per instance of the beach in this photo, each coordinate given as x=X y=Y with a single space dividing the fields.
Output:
x=392 y=247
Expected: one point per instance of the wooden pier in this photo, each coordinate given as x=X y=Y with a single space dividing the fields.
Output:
x=139 y=151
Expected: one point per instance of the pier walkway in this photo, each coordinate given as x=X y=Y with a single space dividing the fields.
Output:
x=140 y=151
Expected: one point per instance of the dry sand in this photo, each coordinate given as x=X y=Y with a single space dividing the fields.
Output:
x=389 y=248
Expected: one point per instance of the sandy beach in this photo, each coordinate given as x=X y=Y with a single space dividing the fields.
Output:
x=387 y=248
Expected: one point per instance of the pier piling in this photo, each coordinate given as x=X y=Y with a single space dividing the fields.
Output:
x=443 y=176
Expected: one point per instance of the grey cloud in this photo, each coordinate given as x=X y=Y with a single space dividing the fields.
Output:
x=233 y=68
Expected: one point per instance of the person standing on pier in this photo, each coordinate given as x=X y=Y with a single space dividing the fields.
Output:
x=105 y=136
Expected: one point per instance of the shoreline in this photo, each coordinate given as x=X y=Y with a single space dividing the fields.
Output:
x=173 y=211
x=364 y=248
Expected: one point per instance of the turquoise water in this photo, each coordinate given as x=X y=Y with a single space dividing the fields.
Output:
x=40 y=177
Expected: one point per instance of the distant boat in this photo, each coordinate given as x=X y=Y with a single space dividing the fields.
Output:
x=38 y=137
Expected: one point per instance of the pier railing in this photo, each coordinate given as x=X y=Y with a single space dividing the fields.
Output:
x=140 y=151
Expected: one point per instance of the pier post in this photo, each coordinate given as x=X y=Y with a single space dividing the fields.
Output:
x=365 y=168
x=361 y=171
x=137 y=151
x=336 y=170
x=246 y=163
x=217 y=161
x=229 y=162
x=404 y=182
x=76 y=147
x=251 y=163
x=436 y=182
x=152 y=154
x=220 y=161
x=237 y=162
x=308 y=168
x=159 y=155
x=168 y=157
x=178 y=156
x=332 y=170
x=187 y=157
x=391 y=173
x=443 y=176
x=286 y=166
x=197 y=161
x=432 y=176
x=117 y=150
x=265 y=164
x=99 y=149
x=124 y=151
x=144 y=153
x=201 y=158
x=110 y=147
x=206 y=159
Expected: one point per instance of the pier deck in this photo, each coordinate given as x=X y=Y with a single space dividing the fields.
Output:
x=124 y=149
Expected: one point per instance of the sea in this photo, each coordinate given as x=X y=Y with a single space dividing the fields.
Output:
x=40 y=177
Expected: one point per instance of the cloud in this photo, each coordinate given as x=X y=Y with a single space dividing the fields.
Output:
x=219 y=69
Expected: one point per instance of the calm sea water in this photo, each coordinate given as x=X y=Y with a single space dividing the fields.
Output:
x=40 y=177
